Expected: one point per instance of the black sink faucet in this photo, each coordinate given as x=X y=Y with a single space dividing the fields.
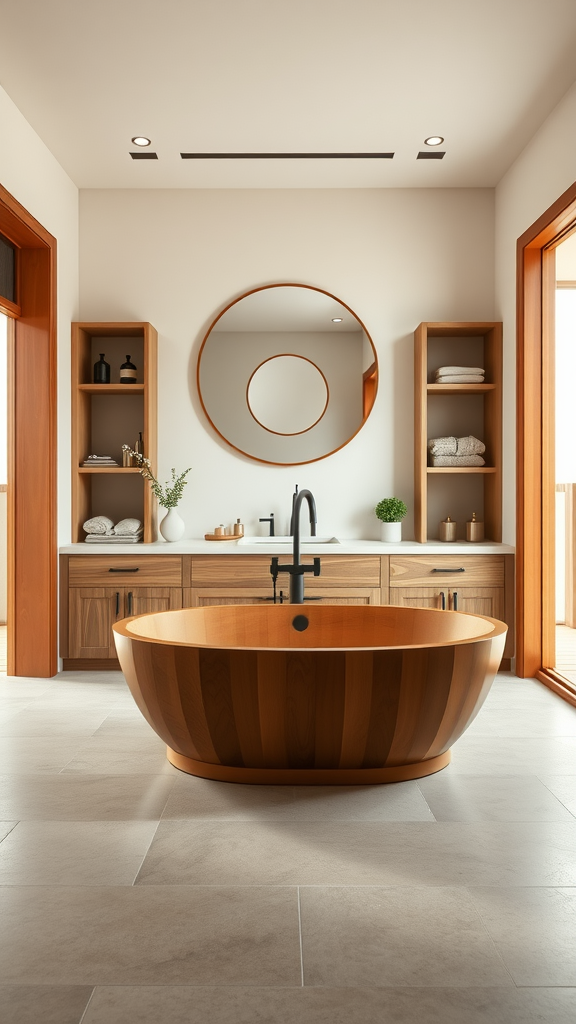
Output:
x=296 y=570
x=271 y=521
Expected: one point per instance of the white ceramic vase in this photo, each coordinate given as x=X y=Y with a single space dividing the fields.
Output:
x=172 y=526
x=391 y=532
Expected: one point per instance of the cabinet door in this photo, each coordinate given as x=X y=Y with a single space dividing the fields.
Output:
x=478 y=600
x=419 y=597
x=200 y=597
x=92 y=612
x=139 y=600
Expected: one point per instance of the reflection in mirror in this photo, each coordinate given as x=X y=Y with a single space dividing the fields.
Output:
x=251 y=357
x=287 y=394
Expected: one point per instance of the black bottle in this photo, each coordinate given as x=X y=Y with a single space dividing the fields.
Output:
x=101 y=371
x=128 y=372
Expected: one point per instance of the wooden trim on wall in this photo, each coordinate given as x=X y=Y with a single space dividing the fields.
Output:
x=32 y=551
x=534 y=536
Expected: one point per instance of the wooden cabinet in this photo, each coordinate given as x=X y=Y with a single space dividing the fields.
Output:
x=458 y=410
x=481 y=584
x=106 y=416
x=97 y=590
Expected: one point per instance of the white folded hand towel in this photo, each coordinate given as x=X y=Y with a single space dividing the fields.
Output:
x=470 y=446
x=443 y=370
x=460 y=378
x=456 y=460
x=443 y=446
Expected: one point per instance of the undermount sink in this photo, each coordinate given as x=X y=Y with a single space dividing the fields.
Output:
x=289 y=540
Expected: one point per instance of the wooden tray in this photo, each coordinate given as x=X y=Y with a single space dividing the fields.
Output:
x=223 y=536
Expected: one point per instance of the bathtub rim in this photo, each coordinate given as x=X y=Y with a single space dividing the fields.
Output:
x=122 y=628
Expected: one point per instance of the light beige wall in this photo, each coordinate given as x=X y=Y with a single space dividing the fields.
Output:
x=34 y=177
x=543 y=171
x=396 y=256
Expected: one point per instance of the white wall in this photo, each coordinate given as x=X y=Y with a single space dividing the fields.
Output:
x=34 y=177
x=396 y=256
x=542 y=172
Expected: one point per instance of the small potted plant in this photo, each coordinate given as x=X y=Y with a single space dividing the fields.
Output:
x=172 y=526
x=391 y=512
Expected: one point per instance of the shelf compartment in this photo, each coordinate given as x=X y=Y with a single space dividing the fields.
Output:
x=464 y=344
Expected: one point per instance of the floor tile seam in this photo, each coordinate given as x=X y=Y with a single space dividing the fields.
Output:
x=300 y=938
x=143 y=858
x=88 y=1001
x=14 y=824
x=560 y=800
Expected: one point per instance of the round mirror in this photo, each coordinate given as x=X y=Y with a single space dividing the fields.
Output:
x=287 y=394
x=287 y=374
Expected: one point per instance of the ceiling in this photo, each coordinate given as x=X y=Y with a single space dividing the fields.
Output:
x=286 y=76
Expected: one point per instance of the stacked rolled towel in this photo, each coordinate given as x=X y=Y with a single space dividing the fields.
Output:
x=459 y=375
x=101 y=530
x=456 y=451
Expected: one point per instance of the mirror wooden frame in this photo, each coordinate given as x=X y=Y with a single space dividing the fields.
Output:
x=369 y=383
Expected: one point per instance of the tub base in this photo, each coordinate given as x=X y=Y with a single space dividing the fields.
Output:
x=308 y=776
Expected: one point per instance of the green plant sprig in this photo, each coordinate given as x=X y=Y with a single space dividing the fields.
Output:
x=391 y=510
x=168 y=494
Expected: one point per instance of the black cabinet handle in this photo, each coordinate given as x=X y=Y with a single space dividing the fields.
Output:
x=449 y=570
x=443 y=600
x=137 y=569
x=455 y=601
x=117 y=603
x=130 y=603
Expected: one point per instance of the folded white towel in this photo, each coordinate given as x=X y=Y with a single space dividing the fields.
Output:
x=460 y=378
x=470 y=446
x=127 y=527
x=456 y=460
x=443 y=370
x=94 y=538
x=443 y=446
x=99 y=525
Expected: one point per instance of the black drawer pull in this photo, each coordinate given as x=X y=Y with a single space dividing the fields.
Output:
x=448 y=570
x=442 y=600
x=455 y=601
x=117 y=603
x=137 y=569
x=130 y=603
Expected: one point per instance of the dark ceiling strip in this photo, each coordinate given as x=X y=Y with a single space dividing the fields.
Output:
x=287 y=156
x=144 y=156
x=431 y=156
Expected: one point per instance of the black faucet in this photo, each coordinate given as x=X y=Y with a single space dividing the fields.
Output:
x=271 y=521
x=296 y=570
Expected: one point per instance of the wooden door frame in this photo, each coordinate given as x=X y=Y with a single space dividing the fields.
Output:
x=535 y=440
x=32 y=543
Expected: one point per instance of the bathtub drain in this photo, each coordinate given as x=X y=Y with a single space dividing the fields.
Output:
x=300 y=622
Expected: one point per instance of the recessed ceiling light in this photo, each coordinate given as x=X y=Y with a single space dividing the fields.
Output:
x=336 y=319
x=434 y=140
x=140 y=140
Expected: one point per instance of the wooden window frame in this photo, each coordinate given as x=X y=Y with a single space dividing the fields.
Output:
x=32 y=411
x=535 y=480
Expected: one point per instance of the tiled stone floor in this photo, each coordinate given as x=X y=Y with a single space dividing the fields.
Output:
x=133 y=894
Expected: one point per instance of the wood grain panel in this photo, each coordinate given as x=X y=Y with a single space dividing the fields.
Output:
x=219 y=706
x=151 y=570
x=202 y=597
x=418 y=570
x=92 y=612
x=247 y=570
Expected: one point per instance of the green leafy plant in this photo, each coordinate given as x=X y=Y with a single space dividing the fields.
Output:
x=168 y=494
x=391 y=510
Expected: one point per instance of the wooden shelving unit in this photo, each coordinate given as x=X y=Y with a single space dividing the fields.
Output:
x=106 y=416
x=466 y=344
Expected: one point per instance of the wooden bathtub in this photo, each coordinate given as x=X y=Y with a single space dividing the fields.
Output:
x=299 y=694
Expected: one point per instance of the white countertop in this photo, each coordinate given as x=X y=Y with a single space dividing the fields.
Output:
x=345 y=547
